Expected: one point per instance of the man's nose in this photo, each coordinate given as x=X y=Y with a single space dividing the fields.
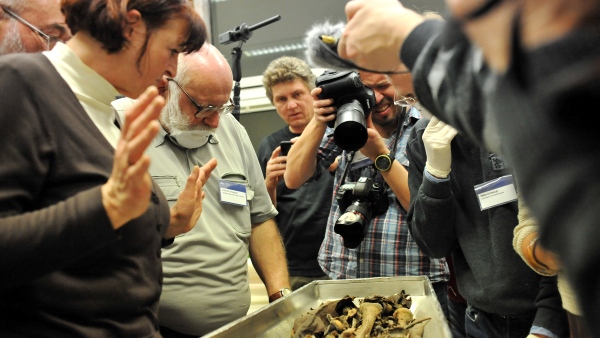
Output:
x=292 y=104
x=166 y=75
x=378 y=97
x=212 y=120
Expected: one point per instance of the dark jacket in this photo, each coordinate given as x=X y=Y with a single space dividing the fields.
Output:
x=65 y=271
x=445 y=218
x=540 y=116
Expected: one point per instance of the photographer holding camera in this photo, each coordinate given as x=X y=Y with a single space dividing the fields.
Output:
x=374 y=240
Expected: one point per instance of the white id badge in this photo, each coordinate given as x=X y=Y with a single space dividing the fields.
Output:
x=496 y=192
x=232 y=193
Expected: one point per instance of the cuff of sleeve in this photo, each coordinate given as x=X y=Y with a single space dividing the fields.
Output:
x=435 y=187
x=417 y=39
x=436 y=172
x=435 y=179
x=541 y=331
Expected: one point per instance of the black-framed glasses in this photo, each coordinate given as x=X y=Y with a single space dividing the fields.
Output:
x=51 y=40
x=224 y=109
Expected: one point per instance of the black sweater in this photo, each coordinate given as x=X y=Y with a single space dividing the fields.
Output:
x=540 y=115
x=445 y=218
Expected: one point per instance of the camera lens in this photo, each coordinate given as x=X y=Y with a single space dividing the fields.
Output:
x=351 y=224
x=350 y=127
x=350 y=227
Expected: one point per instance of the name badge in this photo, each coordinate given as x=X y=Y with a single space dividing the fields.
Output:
x=496 y=192
x=232 y=193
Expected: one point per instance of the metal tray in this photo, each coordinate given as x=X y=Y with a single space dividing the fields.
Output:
x=277 y=319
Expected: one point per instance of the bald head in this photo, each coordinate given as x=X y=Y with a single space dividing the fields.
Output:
x=206 y=71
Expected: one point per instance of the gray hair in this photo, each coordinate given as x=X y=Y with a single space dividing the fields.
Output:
x=16 y=6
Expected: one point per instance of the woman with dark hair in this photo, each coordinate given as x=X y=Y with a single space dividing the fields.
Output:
x=81 y=221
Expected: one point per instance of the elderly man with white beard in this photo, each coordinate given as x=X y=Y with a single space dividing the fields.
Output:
x=29 y=26
x=205 y=271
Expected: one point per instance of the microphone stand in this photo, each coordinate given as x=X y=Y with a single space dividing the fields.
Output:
x=241 y=33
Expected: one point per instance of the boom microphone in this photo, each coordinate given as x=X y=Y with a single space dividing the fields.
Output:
x=321 y=46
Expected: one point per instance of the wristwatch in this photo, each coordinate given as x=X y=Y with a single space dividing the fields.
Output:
x=384 y=162
x=281 y=293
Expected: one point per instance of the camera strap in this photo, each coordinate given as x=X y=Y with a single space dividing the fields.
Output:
x=397 y=132
x=352 y=153
x=401 y=119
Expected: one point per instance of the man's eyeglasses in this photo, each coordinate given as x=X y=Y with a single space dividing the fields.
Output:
x=404 y=101
x=207 y=109
x=51 y=40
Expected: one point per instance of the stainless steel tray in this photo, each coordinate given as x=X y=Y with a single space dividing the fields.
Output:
x=277 y=319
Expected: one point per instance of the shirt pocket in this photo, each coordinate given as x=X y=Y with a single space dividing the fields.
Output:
x=240 y=179
x=170 y=186
x=239 y=216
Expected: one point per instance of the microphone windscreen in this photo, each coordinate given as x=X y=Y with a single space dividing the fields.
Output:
x=319 y=53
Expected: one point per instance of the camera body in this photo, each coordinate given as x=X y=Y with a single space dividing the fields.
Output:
x=360 y=201
x=354 y=101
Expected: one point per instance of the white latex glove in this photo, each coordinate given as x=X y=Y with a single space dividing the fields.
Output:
x=437 y=138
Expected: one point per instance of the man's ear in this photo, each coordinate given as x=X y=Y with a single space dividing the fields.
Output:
x=133 y=22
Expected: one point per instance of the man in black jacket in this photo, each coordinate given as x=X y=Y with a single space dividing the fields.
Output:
x=449 y=216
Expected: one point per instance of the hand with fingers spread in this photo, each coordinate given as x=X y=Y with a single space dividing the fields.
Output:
x=126 y=194
x=437 y=138
x=186 y=211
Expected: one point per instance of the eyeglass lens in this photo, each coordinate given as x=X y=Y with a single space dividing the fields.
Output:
x=202 y=110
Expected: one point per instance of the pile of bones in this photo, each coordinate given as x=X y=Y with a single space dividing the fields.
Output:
x=375 y=317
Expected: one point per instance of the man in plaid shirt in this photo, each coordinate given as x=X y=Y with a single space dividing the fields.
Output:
x=387 y=248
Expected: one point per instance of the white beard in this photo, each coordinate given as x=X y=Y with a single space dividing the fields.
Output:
x=12 y=42
x=179 y=128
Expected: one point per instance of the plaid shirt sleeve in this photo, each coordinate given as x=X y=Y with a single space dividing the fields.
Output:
x=328 y=151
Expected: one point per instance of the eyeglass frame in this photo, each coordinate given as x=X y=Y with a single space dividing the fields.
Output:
x=404 y=100
x=199 y=108
x=43 y=35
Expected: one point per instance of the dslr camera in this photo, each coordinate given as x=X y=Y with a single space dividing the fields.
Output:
x=360 y=201
x=354 y=101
